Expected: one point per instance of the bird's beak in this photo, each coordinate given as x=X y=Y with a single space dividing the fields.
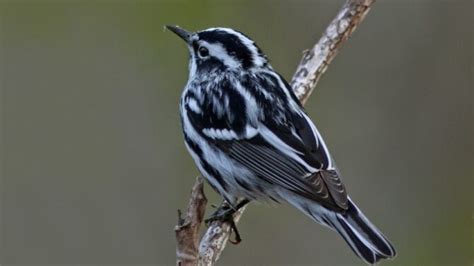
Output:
x=182 y=33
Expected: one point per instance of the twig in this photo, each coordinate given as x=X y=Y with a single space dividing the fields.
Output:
x=315 y=61
x=215 y=239
x=312 y=66
x=187 y=230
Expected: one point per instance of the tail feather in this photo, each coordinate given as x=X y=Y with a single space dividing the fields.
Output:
x=358 y=246
x=361 y=235
x=359 y=223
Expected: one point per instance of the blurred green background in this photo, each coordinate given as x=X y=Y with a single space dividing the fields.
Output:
x=93 y=164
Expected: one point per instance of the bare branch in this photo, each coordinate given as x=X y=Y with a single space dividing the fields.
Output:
x=315 y=61
x=187 y=230
x=312 y=66
x=214 y=240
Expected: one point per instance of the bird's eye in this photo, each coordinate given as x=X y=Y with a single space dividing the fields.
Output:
x=203 y=52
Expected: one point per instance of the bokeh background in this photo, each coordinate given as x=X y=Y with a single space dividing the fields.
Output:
x=93 y=164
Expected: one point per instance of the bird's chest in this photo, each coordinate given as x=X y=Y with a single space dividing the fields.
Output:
x=214 y=106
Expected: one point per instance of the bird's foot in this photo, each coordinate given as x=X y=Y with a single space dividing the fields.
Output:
x=225 y=213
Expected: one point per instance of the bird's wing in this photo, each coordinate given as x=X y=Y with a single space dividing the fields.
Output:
x=276 y=166
x=310 y=151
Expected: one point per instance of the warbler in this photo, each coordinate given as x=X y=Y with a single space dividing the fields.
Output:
x=251 y=138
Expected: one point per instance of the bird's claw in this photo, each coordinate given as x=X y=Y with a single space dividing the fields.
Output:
x=226 y=214
x=223 y=213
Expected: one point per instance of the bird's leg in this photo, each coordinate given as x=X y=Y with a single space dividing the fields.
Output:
x=225 y=213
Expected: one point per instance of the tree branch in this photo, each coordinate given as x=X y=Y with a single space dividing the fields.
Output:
x=315 y=61
x=214 y=240
x=309 y=71
x=187 y=229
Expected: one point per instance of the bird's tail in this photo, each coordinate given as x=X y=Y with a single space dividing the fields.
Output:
x=363 y=237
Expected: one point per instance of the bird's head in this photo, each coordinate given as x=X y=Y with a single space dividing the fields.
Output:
x=220 y=49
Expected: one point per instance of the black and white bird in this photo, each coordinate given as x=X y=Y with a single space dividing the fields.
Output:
x=252 y=140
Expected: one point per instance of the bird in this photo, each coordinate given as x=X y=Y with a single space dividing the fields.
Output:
x=252 y=140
